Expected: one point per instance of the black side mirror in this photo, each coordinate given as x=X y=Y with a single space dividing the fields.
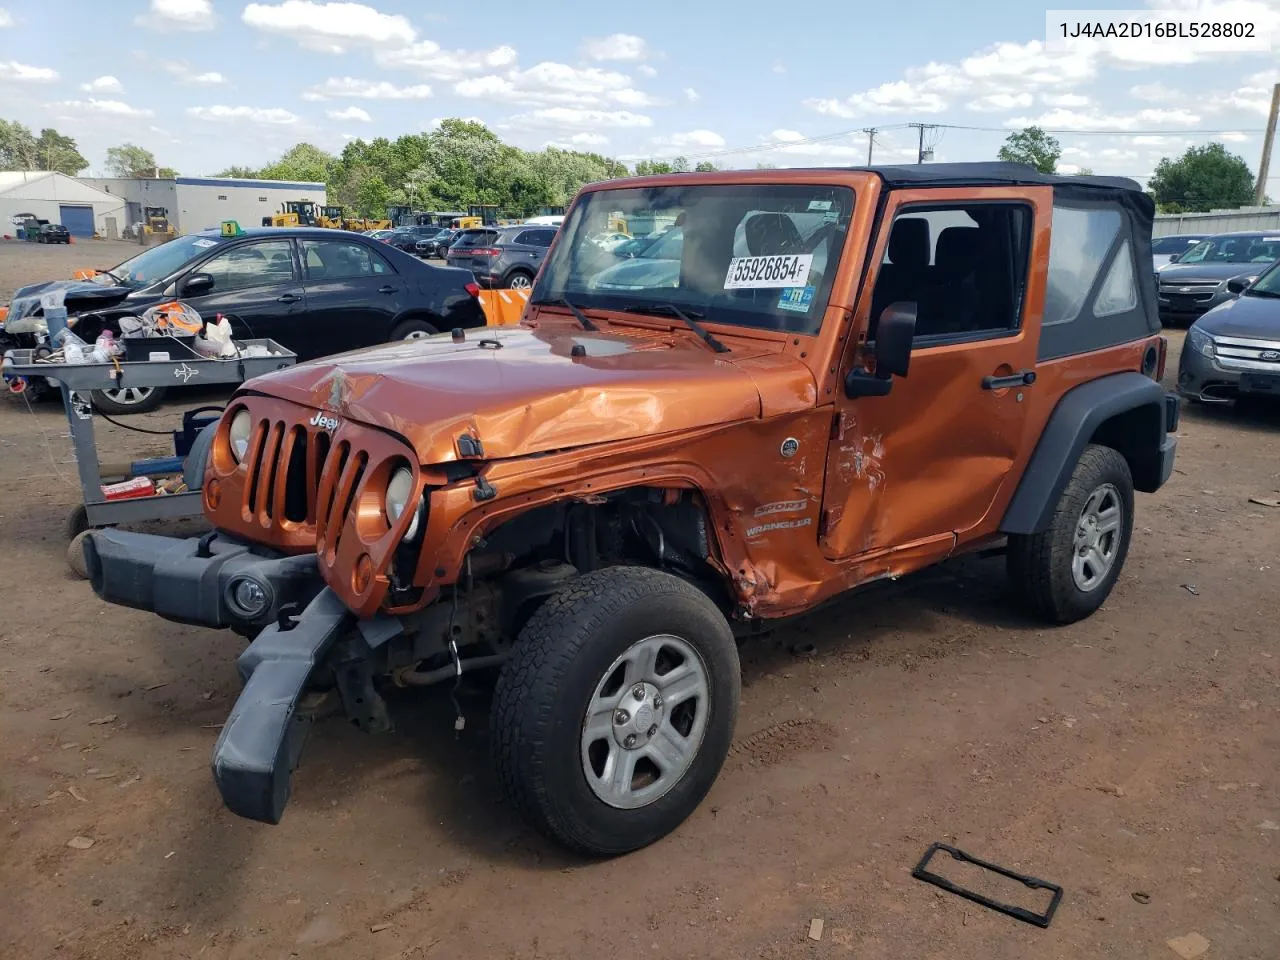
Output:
x=894 y=333
x=1174 y=258
x=1238 y=284
x=197 y=284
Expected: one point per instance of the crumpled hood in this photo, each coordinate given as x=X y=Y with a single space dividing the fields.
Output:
x=521 y=391
x=78 y=295
x=1249 y=317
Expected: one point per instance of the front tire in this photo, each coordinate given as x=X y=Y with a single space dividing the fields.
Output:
x=413 y=330
x=1066 y=572
x=614 y=714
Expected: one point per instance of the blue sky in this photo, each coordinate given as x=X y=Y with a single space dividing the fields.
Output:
x=207 y=83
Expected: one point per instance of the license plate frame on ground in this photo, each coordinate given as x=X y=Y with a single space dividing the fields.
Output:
x=1042 y=920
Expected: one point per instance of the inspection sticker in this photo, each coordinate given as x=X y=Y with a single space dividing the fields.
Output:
x=819 y=204
x=204 y=243
x=768 y=273
x=796 y=299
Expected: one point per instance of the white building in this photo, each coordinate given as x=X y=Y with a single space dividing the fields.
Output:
x=201 y=203
x=57 y=198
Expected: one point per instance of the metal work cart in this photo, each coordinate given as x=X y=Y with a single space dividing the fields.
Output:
x=184 y=367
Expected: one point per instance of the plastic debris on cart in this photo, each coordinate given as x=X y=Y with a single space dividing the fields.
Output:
x=128 y=489
x=216 y=341
x=173 y=318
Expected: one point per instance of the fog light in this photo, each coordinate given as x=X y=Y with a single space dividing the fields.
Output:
x=248 y=597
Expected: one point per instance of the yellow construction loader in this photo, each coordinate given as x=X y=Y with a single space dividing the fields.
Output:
x=293 y=213
x=331 y=217
x=155 y=222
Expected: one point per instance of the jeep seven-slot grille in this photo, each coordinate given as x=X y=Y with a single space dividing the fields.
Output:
x=284 y=464
x=339 y=484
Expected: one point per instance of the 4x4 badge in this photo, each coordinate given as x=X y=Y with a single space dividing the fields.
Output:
x=790 y=447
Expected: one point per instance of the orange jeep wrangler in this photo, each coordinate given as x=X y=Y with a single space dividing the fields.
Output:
x=809 y=381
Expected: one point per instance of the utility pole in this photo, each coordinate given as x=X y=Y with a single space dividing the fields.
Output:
x=871 y=141
x=921 y=153
x=1260 y=191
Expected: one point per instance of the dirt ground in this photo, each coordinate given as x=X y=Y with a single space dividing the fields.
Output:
x=1130 y=758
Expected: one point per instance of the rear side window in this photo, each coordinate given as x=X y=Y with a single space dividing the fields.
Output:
x=1097 y=295
x=536 y=238
x=339 y=260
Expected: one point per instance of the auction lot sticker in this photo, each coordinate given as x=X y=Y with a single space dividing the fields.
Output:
x=768 y=273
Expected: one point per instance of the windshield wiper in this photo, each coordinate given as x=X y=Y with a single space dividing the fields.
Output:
x=679 y=314
x=112 y=276
x=578 y=315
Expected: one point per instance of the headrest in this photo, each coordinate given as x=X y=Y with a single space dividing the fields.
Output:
x=909 y=243
x=958 y=247
x=771 y=234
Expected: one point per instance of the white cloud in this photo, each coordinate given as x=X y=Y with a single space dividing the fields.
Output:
x=106 y=108
x=365 y=90
x=691 y=95
x=779 y=68
x=428 y=59
x=209 y=79
x=646 y=70
x=350 y=113
x=103 y=85
x=12 y=70
x=1063 y=119
x=574 y=118
x=1155 y=93
x=895 y=97
x=616 y=46
x=1064 y=100
x=1252 y=96
x=999 y=102
x=556 y=84
x=5 y=19
x=1233 y=137
x=694 y=138
x=272 y=116
x=330 y=27
x=790 y=146
x=580 y=141
x=178 y=15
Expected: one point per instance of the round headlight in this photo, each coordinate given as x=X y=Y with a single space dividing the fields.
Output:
x=398 y=492
x=238 y=434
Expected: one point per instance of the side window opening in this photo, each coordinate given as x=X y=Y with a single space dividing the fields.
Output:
x=963 y=266
x=1119 y=294
x=1080 y=239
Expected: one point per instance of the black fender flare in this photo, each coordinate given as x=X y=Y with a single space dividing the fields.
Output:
x=1128 y=411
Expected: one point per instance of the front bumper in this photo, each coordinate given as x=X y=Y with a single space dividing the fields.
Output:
x=1236 y=367
x=193 y=581
x=263 y=736
x=1190 y=307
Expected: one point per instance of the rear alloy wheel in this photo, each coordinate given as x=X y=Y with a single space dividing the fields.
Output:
x=413 y=330
x=519 y=281
x=128 y=399
x=614 y=714
x=1066 y=572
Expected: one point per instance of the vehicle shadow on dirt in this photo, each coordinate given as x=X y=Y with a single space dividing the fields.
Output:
x=1259 y=416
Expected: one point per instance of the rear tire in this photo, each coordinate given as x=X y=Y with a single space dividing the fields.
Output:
x=413 y=330
x=1066 y=573
x=519 y=280
x=128 y=400
x=582 y=769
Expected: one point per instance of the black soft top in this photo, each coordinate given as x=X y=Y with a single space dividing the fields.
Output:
x=991 y=174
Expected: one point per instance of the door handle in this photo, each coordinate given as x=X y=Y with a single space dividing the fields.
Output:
x=1023 y=378
x=386 y=288
x=288 y=298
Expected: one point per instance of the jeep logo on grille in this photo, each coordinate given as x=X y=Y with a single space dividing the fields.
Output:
x=326 y=423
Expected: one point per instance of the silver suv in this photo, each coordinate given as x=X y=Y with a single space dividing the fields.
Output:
x=502 y=256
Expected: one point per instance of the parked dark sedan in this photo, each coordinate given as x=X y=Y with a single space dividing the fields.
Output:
x=1197 y=281
x=315 y=291
x=406 y=238
x=1233 y=351
x=54 y=233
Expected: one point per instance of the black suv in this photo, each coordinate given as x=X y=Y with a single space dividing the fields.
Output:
x=502 y=256
x=54 y=233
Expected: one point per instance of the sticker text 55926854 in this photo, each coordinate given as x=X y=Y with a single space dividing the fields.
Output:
x=787 y=270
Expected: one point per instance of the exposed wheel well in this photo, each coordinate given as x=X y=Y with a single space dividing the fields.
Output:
x=1130 y=434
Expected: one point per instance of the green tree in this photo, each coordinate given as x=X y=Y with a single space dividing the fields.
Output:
x=1204 y=178
x=706 y=166
x=239 y=173
x=17 y=146
x=130 y=160
x=1032 y=146
x=303 y=162
x=57 y=151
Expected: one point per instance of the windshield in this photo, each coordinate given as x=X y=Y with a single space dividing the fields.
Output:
x=1267 y=285
x=757 y=255
x=1257 y=249
x=159 y=262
